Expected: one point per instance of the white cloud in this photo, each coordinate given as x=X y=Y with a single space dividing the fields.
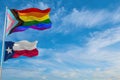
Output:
x=60 y=70
x=85 y=74
x=26 y=6
x=103 y=64
x=42 y=5
x=59 y=13
x=86 y=18
x=116 y=16
x=23 y=74
x=105 y=38
x=67 y=22
x=91 y=18
x=56 y=19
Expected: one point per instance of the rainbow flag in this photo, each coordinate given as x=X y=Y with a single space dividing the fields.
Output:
x=21 y=20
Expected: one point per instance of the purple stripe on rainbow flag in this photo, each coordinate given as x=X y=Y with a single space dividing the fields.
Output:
x=41 y=26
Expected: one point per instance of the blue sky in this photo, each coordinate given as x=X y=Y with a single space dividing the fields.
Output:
x=83 y=43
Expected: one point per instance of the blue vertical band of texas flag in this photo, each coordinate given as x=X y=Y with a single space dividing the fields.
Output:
x=15 y=50
x=8 y=50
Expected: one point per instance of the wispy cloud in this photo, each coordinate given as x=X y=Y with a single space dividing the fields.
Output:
x=40 y=5
x=59 y=13
x=23 y=74
x=71 y=74
x=85 y=18
x=102 y=63
x=105 y=38
x=91 y=18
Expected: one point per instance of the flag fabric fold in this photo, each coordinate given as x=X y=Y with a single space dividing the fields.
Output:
x=21 y=48
x=21 y=20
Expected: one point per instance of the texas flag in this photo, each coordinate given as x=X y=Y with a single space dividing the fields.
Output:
x=21 y=48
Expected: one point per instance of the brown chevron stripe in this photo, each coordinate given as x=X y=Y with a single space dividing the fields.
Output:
x=20 y=22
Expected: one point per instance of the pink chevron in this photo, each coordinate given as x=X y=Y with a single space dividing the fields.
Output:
x=11 y=22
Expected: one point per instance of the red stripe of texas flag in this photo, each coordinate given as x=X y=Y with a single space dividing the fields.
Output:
x=27 y=53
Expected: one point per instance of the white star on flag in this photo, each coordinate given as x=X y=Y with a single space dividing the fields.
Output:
x=9 y=50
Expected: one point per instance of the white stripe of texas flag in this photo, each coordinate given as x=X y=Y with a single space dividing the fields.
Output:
x=24 y=45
